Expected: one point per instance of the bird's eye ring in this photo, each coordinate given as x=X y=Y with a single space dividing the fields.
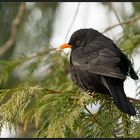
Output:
x=78 y=42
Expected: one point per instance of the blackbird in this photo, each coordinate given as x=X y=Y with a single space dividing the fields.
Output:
x=98 y=65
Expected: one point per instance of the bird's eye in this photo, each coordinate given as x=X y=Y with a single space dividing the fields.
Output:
x=78 y=42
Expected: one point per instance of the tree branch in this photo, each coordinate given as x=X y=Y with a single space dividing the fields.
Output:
x=136 y=101
x=130 y=21
x=11 y=41
x=53 y=91
x=133 y=100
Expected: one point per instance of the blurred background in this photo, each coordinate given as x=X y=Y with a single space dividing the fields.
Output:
x=29 y=28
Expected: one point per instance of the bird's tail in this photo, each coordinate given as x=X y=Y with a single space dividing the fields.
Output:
x=133 y=74
x=122 y=102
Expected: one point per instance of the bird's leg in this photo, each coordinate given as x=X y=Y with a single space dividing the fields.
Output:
x=93 y=93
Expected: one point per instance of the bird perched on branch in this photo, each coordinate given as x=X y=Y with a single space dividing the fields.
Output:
x=98 y=65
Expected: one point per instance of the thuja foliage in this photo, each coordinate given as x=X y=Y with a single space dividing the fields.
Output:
x=49 y=100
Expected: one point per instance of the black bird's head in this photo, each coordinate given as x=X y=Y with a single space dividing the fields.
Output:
x=80 y=38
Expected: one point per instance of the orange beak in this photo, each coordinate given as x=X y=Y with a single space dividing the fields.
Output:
x=64 y=46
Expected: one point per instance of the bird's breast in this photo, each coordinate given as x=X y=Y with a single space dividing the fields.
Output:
x=85 y=80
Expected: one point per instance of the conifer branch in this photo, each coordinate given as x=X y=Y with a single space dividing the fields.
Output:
x=49 y=91
x=136 y=101
x=95 y=120
x=133 y=100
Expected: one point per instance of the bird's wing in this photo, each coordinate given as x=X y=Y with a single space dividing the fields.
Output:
x=98 y=59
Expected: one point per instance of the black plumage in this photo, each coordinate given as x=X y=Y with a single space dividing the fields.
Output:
x=97 y=64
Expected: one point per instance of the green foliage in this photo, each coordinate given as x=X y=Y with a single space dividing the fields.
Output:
x=62 y=114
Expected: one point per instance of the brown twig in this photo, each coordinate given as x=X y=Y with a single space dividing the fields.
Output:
x=54 y=91
x=136 y=101
x=133 y=100
x=94 y=118
x=11 y=41
x=130 y=21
